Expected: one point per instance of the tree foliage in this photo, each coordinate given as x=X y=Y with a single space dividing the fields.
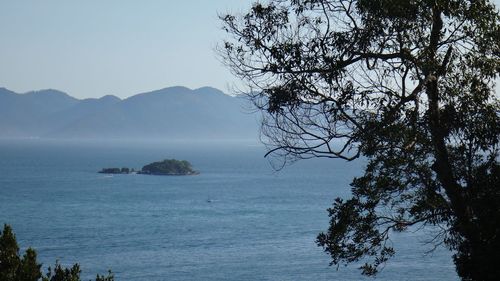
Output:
x=409 y=85
x=15 y=268
x=168 y=167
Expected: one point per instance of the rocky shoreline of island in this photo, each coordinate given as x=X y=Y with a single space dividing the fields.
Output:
x=167 y=167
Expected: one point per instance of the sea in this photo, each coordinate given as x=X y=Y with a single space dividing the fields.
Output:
x=241 y=218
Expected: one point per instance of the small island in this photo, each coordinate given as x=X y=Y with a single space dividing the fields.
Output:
x=167 y=167
x=116 y=171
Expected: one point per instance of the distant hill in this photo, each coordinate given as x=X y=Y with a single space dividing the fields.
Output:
x=170 y=113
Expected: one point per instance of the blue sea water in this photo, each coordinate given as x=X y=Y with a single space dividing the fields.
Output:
x=238 y=220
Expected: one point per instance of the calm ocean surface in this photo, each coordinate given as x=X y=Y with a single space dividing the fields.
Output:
x=237 y=220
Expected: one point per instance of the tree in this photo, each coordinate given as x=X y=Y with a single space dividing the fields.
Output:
x=29 y=268
x=14 y=268
x=9 y=258
x=409 y=86
x=60 y=273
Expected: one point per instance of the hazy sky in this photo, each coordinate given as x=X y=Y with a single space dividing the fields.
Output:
x=92 y=48
x=122 y=47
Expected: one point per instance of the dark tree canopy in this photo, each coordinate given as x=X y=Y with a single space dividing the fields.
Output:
x=409 y=85
x=15 y=268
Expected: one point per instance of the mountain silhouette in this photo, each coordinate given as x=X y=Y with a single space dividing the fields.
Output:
x=169 y=113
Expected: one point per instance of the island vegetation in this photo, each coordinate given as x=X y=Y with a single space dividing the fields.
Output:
x=167 y=167
x=116 y=171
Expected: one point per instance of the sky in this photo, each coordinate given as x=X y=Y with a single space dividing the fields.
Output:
x=94 y=48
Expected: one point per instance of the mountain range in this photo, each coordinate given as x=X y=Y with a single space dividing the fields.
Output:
x=169 y=113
